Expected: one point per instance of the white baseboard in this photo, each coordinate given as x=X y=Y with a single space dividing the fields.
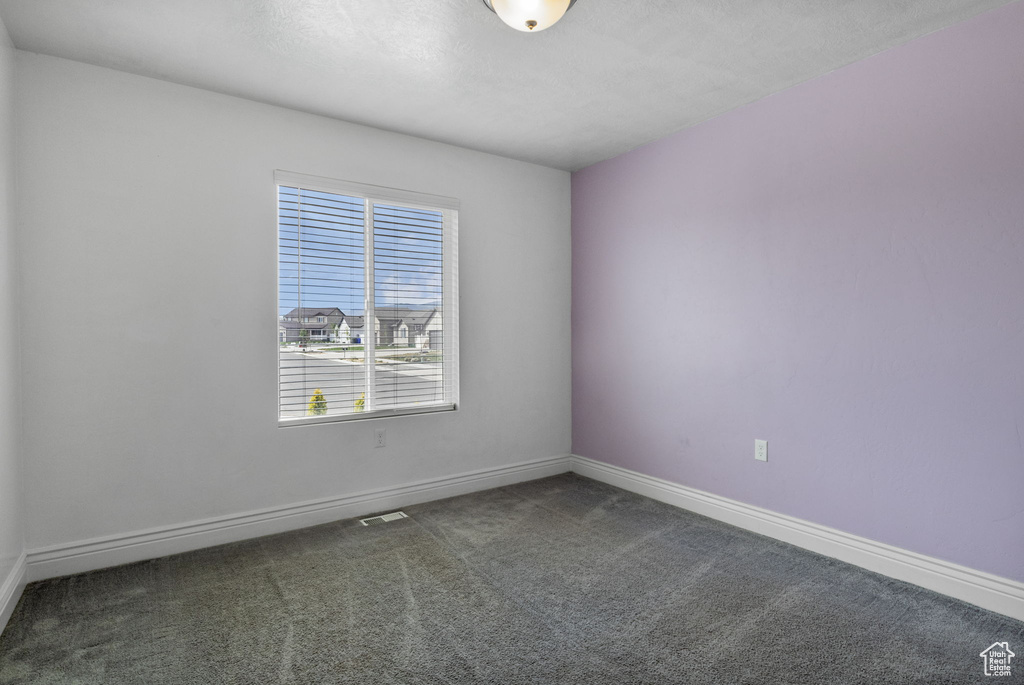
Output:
x=89 y=555
x=10 y=591
x=991 y=592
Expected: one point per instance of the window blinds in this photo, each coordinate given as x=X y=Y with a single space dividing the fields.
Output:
x=366 y=301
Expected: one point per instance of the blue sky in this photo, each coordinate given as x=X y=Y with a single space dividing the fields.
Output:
x=327 y=229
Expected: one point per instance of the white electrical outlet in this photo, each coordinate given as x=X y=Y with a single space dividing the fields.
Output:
x=761 y=450
x=380 y=437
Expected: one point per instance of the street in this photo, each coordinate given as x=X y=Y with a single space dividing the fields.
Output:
x=343 y=381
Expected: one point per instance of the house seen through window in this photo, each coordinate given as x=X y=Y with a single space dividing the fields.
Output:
x=367 y=321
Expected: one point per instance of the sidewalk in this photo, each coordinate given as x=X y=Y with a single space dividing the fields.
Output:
x=381 y=354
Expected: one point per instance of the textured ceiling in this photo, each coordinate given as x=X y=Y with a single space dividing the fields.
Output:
x=611 y=76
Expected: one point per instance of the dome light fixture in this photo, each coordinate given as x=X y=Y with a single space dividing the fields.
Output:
x=529 y=15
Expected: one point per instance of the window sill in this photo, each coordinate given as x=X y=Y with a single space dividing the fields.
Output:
x=362 y=416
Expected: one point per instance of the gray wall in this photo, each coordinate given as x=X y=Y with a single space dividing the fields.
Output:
x=11 y=539
x=148 y=266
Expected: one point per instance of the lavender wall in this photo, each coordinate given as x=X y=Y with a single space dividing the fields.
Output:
x=838 y=269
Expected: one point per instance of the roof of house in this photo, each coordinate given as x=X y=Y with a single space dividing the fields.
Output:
x=395 y=315
x=302 y=312
x=387 y=316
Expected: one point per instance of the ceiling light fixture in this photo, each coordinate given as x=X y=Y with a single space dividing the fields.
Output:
x=529 y=15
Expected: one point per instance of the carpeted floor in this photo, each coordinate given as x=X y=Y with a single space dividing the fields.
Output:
x=562 y=580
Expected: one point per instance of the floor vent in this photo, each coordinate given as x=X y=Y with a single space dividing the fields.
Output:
x=384 y=518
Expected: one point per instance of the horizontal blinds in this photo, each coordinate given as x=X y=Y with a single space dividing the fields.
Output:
x=322 y=275
x=335 y=360
x=408 y=260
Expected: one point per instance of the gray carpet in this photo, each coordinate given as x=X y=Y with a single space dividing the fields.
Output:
x=562 y=580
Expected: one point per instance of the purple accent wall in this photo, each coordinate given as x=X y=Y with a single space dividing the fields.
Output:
x=837 y=269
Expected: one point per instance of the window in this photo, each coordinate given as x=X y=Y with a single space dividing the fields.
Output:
x=387 y=261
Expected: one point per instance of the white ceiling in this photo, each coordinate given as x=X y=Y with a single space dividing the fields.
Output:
x=611 y=76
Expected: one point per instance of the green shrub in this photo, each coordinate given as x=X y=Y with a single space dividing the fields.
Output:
x=317 y=404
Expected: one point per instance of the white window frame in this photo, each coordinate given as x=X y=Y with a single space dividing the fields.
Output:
x=371 y=195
